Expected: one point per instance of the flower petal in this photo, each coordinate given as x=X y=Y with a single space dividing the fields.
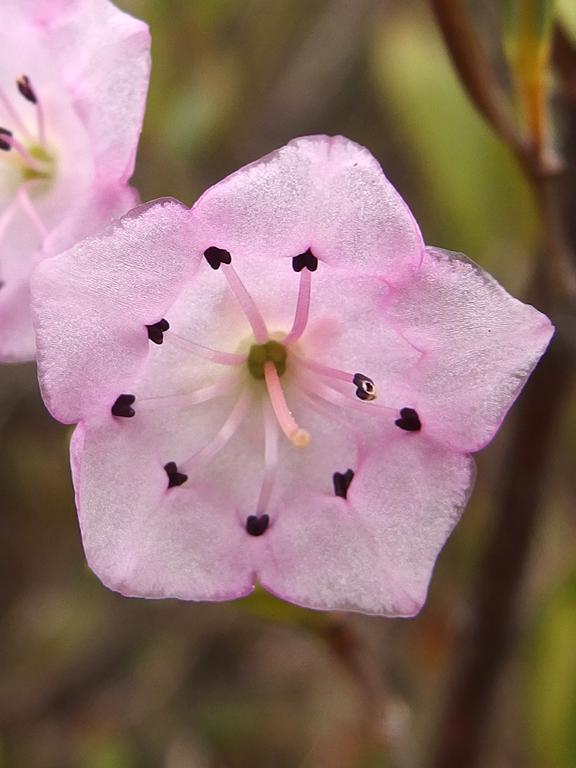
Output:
x=103 y=58
x=480 y=345
x=92 y=304
x=327 y=193
x=144 y=539
x=375 y=551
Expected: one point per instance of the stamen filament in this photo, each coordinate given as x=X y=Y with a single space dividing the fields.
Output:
x=13 y=114
x=194 y=397
x=324 y=370
x=41 y=123
x=30 y=161
x=270 y=457
x=246 y=303
x=336 y=397
x=302 y=308
x=7 y=215
x=207 y=353
x=30 y=211
x=226 y=431
x=298 y=437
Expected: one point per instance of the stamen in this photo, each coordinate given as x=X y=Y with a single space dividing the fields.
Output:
x=409 y=420
x=197 y=396
x=122 y=406
x=365 y=389
x=225 y=432
x=342 y=482
x=216 y=256
x=156 y=331
x=324 y=370
x=297 y=436
x=28 y=208
x=305 y=260
x=25 y=87
x=256 y=526
x=7 y=215
x=175 y=478
x=13 y=143
x=302 y=308
x=246 y=303
x=5 y=143
x=207 y=353
x=270 y=457
x=15 y=118
x=338 y=398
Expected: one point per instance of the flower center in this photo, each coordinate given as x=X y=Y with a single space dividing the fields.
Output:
x=43 y=169
x=329 y=391
x=260 y=354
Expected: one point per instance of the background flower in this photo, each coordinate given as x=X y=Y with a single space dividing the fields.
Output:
x=72 y=94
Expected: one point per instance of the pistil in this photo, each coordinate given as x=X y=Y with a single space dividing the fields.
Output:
x=298 y=437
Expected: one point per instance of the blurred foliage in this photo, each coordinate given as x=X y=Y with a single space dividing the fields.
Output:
x=91 y=680
x=550 y=677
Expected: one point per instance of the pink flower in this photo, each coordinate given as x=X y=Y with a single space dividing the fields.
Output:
x=281 y=385
x=73 y=86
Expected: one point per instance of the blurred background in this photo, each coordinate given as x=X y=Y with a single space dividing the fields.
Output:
x=89 y=679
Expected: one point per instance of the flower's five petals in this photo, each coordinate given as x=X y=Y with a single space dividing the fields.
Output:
x=373 y=551
x=93 y=304
x=479 y=345
x=322 y=192
x=279 y=385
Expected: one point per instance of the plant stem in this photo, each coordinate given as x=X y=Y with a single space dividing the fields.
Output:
x=486 y=640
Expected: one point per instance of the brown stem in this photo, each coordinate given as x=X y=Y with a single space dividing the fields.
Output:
x=473 y=67
x=486 y=640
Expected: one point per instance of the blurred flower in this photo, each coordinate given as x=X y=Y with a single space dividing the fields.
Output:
x=73 y=86
x=279 y=385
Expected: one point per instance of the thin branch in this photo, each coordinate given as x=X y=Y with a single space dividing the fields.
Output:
x=473 y=67
x=486 y=641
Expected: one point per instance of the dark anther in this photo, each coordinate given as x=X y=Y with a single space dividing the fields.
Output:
x=156 y=331
x=175 y=478
x=409 y=420
x=216 y=256
x=365 y=388
x=256 y=526
x=123 y=406
x=342 y=482
x=305 y=260
x=5 y=145
x=25 y=88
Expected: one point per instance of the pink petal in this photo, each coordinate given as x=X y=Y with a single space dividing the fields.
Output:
x=375 y=551
x=92 y=304
x=142 y=538
x=480 y=344
x=326 y=193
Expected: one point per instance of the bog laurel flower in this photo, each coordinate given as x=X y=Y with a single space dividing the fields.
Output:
x=281 y=385
x=73 y=85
